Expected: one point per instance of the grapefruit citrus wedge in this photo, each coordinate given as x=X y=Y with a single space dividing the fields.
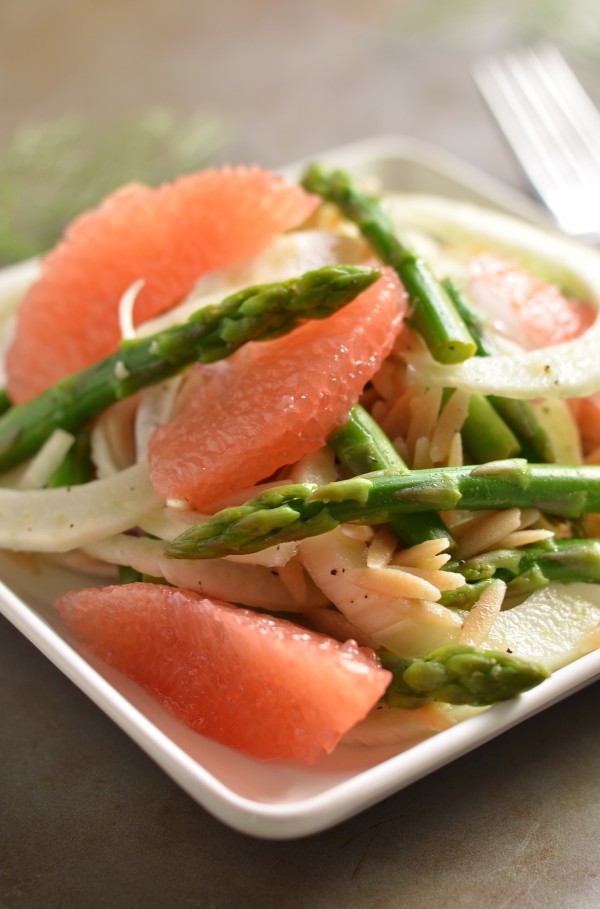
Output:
x=261 y=685
x=169 y=237
x=276 y=401
x=532 y=312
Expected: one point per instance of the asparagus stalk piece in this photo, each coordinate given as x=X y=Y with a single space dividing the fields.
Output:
x=5 y=401
x=468 y=316
x=212 y=333
x=434 y=314
x=552 y=560
x=301 y=510
x=466 y=596
x=458 y=674
x=77 y=464
x=361 y=447
x=485 y=435
x=534 y=442
x=495 y=427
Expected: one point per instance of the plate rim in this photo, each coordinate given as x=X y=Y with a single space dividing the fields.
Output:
x=317 y=812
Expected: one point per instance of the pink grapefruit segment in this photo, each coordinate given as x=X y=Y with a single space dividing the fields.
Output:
x=261 y=685
x=168 y=236
x=277 y=400
x=538 y=312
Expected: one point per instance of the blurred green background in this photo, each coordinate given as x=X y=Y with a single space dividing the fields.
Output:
x=95 y=94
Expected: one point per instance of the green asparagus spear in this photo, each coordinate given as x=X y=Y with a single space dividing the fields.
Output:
x=361 y=447
x=5 y=401
x=77 y=464
x=552 y=560
x=302 y=510
x=469 y=317
x=466 y=596
x=526 y=570
x=495 y=427
x=534 y=441
x=485 y=435
x=212 y=333
x=434 y=315
x=457 y=674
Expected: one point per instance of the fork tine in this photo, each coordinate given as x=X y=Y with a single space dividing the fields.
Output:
x=547 y=116
x=577 y=105
x=553 y=128
x=567 y=98
x=500 y=84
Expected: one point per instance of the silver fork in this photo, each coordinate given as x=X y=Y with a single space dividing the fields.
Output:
x=554 y=130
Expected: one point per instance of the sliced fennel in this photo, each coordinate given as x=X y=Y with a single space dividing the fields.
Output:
x=155 y=408
x=287 y=256
x=252 y=585
x=567 y=370
x=126 y=307
x=58 y=520
x=400 y=726
x=556 y=419
x=551 y=627
x=39 y=470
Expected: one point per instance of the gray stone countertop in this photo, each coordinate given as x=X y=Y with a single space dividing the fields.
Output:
x=86 y=819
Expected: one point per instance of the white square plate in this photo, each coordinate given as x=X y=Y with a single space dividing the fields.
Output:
x=280 y=800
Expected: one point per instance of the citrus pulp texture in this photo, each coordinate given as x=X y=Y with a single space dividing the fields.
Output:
x=276 y=401
x=169 y=237
x=261 y=685
x=537 y=312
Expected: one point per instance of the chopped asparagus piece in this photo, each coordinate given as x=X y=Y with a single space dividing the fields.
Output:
x=466 y=596
x=362 y=446
x=553 y=560
x=434 y=314
x=212 y=333
x=457 y=674
x=5 y=401
x=533 y=440
x=302 y=510
x=486 y=436
x=77 y=464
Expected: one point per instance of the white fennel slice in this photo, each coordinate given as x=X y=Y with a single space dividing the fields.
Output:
x=400 y=726
x=65 y=518
x=286 y=257
x=251 y=585
x=553 y=626
x=566 y=370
